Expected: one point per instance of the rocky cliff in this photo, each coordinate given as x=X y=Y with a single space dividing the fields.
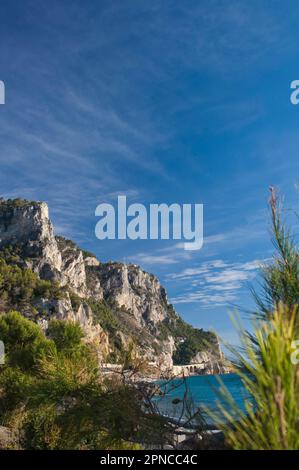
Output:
x=117 y=305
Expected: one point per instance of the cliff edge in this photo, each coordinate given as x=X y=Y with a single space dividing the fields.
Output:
x=117 y=305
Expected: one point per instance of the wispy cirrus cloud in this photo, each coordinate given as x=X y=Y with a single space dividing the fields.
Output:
x=206 y=299
x=108 y=98
x=214 y=283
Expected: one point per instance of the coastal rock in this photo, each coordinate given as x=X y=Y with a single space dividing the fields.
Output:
x=117 y=305
x=26 y=225
x=91 y=261
x=72 y=266
x=134 y=290
x=62 y=309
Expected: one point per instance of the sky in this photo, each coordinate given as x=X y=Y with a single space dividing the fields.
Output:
x=164 y=102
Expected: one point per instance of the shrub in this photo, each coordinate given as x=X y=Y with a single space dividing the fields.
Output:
x=20 y=287
x=62 y=402
x=25 y=343
x=66 y=335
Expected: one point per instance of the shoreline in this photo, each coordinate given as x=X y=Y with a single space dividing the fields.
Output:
x=176 y=372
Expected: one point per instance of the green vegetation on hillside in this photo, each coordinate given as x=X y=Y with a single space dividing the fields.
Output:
x=17 y=202
x=20 y=287
x=103 y=315
x=193 y=341
x=190 y=340
x=66 y=244
x=112 y=319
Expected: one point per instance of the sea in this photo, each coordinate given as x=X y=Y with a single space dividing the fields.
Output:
x=201 y=391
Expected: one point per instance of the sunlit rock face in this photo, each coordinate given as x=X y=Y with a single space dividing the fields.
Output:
x=27 y=225
x=135 y=290
x=72 y=266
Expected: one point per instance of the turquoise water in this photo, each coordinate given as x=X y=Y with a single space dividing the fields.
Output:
x=204 y=391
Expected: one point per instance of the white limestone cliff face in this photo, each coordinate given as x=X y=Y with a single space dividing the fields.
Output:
x=139 y=302
x=62 y=309
x=134 y=290
x=164 y=360
x=142 y=304
x=72 y=266
x=28 y=225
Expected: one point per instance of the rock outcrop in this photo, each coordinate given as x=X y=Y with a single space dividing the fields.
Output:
x=27 y=225
x=135 y=290
x=116 y=304
x=205 y=363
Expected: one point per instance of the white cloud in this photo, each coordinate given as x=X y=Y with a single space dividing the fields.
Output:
x=227 y=276
x=206 y=299
x=214 y=283
x=144 y=258
x=172 y=254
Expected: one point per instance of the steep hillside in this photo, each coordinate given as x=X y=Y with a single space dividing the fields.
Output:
x=43 y=275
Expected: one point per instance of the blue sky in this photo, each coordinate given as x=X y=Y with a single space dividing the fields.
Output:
x=164 y=102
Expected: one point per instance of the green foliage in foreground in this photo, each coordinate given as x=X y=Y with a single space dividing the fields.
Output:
x=267 y=365
x=51 y=392
x=271 y=421
x=67 y=336
x=25 y=343
x=280 y=278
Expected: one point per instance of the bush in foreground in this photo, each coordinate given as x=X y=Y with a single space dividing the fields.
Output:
x=271 y=421
x=52 y=393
